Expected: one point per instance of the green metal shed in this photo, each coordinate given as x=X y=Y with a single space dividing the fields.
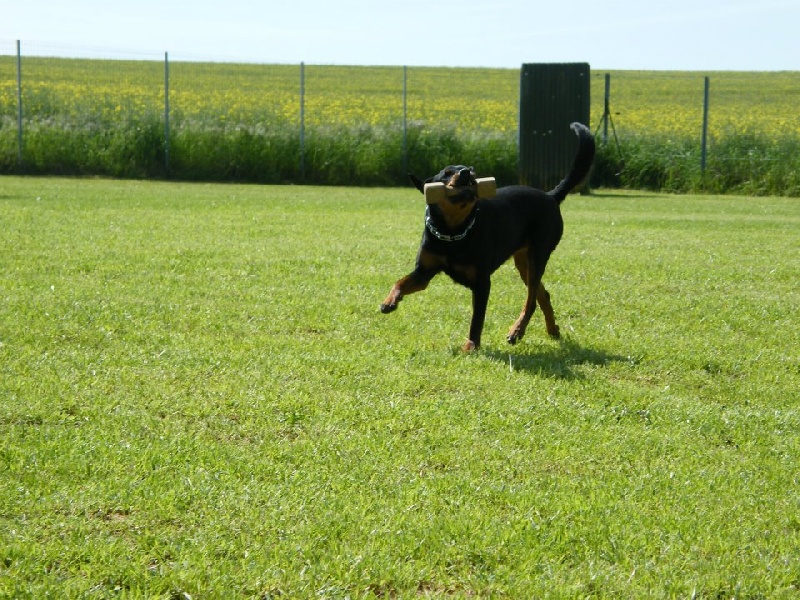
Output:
x=552 y=95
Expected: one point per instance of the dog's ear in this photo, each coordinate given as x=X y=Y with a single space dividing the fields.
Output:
x=418 y=183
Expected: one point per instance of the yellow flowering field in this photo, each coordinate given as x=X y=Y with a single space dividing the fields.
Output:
x=223 y=95
x=671 y=103
x=334 y=95
x=79 y=89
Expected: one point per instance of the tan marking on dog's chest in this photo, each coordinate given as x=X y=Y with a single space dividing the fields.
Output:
x=469 y=272
x=455 y=215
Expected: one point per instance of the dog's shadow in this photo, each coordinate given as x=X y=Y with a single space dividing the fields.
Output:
x=558 y=360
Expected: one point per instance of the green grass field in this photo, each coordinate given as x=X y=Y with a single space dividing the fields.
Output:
x=199 y=398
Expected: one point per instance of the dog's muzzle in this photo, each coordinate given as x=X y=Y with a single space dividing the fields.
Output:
x=463 y=179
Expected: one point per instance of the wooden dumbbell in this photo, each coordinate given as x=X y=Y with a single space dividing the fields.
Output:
x=437 y=192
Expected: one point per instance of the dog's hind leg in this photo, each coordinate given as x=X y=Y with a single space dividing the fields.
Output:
x=543 y=298
x=523 y=263
x=517 y=331
x=531 y=272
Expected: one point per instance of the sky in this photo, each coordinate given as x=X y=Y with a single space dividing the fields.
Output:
x=694 y=35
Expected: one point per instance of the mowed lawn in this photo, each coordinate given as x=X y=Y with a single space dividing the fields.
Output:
x=200 y=398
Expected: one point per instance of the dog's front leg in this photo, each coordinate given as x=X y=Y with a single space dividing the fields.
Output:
x=427 y=267
x=416 y=281
x=480 y=300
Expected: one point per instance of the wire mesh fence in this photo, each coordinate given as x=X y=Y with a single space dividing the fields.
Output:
x=155 y=115
x=230 y=115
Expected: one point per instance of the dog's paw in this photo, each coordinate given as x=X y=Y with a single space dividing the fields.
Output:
x=514 y=335
x=469 y=346
x=387 y=308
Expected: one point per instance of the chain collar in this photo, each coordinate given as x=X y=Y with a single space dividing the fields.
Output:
x=443 y=236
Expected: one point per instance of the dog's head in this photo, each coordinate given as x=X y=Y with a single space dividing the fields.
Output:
x=462 y=192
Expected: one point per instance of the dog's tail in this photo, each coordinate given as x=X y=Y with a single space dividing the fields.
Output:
x=581 y=164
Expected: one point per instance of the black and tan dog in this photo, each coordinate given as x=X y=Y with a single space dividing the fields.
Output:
x=469 y=239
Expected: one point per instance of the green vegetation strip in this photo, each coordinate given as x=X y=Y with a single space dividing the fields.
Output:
x=199 y=398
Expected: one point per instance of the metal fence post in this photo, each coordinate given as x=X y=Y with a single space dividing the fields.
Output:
x=606 y=109
x=302 y=121
x=166 y=112
x=405 y=119
x=19 y=104
x=704 y=146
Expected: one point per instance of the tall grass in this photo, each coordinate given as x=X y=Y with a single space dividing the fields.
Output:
x=753 y=164
x=372 y=155
x=134 y=149
x=200 y=398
